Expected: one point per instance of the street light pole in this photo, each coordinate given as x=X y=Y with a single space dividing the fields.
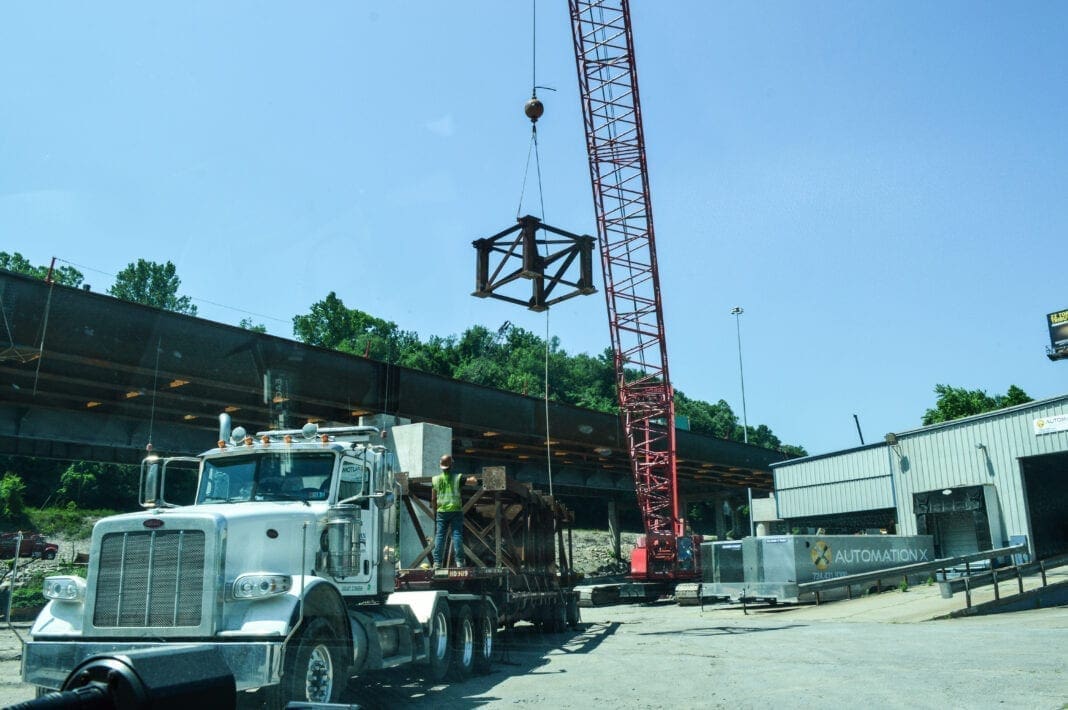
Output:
x=737 y=312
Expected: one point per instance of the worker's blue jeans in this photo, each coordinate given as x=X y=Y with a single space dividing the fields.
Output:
x=444 y=520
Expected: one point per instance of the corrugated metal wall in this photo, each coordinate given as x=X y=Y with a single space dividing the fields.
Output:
x=980 y=450
x=977 y=451
x=851 y=481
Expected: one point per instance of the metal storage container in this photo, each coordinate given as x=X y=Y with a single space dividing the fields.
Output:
x=774 y=566
x=722 y=561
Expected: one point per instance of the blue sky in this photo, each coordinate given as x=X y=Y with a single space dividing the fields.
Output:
x=881 y=186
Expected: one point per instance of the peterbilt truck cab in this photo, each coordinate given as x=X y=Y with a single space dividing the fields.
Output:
x=284 y=561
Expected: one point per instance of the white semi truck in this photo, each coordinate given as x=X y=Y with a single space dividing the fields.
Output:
x=303 y=559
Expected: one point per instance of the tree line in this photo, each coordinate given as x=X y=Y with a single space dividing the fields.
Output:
x=142 y=281
x=508 y=358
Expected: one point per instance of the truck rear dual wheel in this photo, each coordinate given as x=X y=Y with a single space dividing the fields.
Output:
x=440 y=648
x=463 y=643
x=485 y=638
x=315 y=669
x=555 y=619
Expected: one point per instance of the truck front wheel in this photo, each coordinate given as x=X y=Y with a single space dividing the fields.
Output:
x=315 y=669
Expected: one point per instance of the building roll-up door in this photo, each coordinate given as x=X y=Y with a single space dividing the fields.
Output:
x=955 y=533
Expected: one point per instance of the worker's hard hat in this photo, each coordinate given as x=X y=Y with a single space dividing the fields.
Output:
x=446 y=461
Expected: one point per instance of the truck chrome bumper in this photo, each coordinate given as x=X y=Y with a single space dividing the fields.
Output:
x=48 y=663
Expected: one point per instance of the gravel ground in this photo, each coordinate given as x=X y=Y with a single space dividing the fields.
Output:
x=666 y=656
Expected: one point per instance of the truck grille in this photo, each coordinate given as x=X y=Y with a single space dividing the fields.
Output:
x=150 y=578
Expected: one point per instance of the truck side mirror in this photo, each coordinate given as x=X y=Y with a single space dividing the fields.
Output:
x=151 y=477
x=174 y=478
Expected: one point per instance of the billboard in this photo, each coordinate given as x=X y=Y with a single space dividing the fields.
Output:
x=1058 y=329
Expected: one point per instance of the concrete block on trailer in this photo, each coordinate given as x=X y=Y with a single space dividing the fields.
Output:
x=419 y=448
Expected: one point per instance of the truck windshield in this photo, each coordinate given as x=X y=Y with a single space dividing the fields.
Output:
x=266 y=476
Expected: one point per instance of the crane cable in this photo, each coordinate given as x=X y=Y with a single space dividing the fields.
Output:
x=534 y=110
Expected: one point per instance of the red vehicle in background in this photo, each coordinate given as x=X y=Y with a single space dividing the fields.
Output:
x=33 y=545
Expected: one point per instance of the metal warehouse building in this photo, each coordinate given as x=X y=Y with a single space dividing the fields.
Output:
x=974 y=484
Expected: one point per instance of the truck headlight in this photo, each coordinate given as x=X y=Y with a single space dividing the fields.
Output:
x=64 y=589
x=261 y=584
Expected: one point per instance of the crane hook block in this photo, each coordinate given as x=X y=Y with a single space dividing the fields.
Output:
x=534 y=109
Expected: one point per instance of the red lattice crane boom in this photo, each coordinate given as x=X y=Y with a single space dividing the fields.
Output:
x=608 y=84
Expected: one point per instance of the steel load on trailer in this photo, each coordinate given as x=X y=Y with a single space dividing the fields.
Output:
x=517 y=542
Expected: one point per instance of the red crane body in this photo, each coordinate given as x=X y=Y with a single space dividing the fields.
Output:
x=615 y=143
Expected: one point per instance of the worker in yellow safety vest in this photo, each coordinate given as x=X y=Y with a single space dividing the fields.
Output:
x=446 y=500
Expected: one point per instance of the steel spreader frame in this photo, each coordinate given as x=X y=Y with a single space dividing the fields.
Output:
x=548 y=262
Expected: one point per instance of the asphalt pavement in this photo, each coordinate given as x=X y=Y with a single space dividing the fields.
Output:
x=891 y=650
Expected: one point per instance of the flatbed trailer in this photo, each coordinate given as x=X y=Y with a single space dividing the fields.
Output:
x=517 y=541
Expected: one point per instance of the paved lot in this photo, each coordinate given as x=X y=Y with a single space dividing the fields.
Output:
x=683 y=657
x=842 y=654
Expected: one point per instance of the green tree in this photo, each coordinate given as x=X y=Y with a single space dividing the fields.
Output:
x=1013 y=396
x=716 y=419
x=64 y=275
x=332 y=324
x=12 y=489
x=152 y=284
x=479 y=358
x=74 y=481
x=590 y=382
x=437 y=356
x=957 y=402
x=247 y=324
x=91 y=484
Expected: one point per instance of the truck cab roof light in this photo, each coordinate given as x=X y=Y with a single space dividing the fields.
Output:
x=337 y=433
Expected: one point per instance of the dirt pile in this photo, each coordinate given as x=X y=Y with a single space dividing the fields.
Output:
x=593 y=555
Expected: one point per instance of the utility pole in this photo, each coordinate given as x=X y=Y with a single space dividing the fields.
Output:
x=737 y=312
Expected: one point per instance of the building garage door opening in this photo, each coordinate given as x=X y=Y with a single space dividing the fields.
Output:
x=1046 y=488
x=962 y=520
